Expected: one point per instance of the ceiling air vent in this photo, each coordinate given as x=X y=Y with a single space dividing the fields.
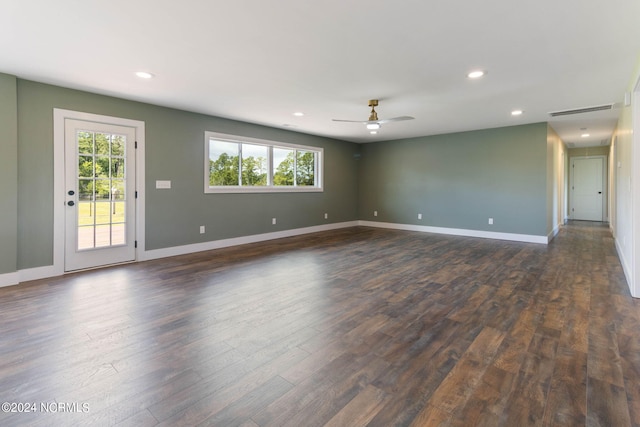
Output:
x=581 y=110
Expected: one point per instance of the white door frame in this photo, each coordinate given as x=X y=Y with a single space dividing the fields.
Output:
x=634 y=280
x=59 y=117
x=605 y=193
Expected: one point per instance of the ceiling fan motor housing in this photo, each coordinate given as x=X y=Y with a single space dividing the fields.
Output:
x=373 y=103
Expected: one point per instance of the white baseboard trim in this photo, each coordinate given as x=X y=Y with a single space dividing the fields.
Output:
x=9 y=279
x=28 y=274
x=38 y=273
x=51 y=271
x=526 y=238
x=225 y=243
x=625 y=268
x=553 y=233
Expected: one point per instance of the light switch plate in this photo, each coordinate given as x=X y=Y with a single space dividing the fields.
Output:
x=163 y=184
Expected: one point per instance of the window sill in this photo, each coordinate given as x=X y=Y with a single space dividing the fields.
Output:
x=248 y=189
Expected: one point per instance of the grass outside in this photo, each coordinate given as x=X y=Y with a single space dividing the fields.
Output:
x=106 y=212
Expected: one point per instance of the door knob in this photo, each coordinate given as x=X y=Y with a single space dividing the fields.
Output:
x=70 y=203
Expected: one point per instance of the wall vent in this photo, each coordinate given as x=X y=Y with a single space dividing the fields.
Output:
x=581 y=110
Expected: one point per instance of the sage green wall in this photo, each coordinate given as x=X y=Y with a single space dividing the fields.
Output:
x=174 y=151
x=456 y=180
x=8 y=174
x=460 y=180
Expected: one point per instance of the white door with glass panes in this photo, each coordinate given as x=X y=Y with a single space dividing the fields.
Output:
x=100 y=194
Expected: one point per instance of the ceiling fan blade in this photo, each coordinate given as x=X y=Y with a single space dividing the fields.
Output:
x=366 y=122
x=395 y=119
x=351 y=121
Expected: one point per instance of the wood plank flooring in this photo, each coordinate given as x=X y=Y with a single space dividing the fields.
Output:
x=353 y=327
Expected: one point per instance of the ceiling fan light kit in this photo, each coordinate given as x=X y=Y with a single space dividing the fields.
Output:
x=373 y=124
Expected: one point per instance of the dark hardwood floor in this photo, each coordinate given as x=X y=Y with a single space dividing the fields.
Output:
x=353 y=327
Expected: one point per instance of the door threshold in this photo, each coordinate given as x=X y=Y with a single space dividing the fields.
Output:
x=99 y=267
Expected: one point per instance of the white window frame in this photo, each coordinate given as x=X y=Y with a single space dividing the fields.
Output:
x=269 y=188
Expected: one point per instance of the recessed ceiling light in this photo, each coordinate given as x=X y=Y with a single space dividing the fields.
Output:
x=585 y=135
x=476 y=74
x=298 y=114
x=517 y=112
x=144 y=75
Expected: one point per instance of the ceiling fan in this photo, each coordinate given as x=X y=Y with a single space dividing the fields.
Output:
x=374 y=123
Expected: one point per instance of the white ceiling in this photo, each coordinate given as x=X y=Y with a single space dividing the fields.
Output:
x=260 y=61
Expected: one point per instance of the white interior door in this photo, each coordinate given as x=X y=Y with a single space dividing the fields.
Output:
x=99 y=194
x=588 y=188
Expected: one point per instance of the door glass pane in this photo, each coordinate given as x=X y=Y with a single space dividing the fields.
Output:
x=117 y=189
x=117 y=145
x=85 y=237
x=85 y=189
x=102 y=212
x=101 y=190
x=86 y=213
x=85 y=167
x=118 y=212
x=117 y=168
x=101 y=167
x=103 y=235
x=102 y=144
x=85 y=142
x=117 y=234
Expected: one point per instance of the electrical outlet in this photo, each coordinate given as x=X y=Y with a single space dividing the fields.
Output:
x=326 y=216
x=273 y=221
x=419 y=216
x=202 y=229
x=490 y=221
x=375 y=213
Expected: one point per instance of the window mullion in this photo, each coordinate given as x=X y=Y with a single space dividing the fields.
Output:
x=270 y=166
x=239 y=165
x=295 y=168
x=316 y=169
